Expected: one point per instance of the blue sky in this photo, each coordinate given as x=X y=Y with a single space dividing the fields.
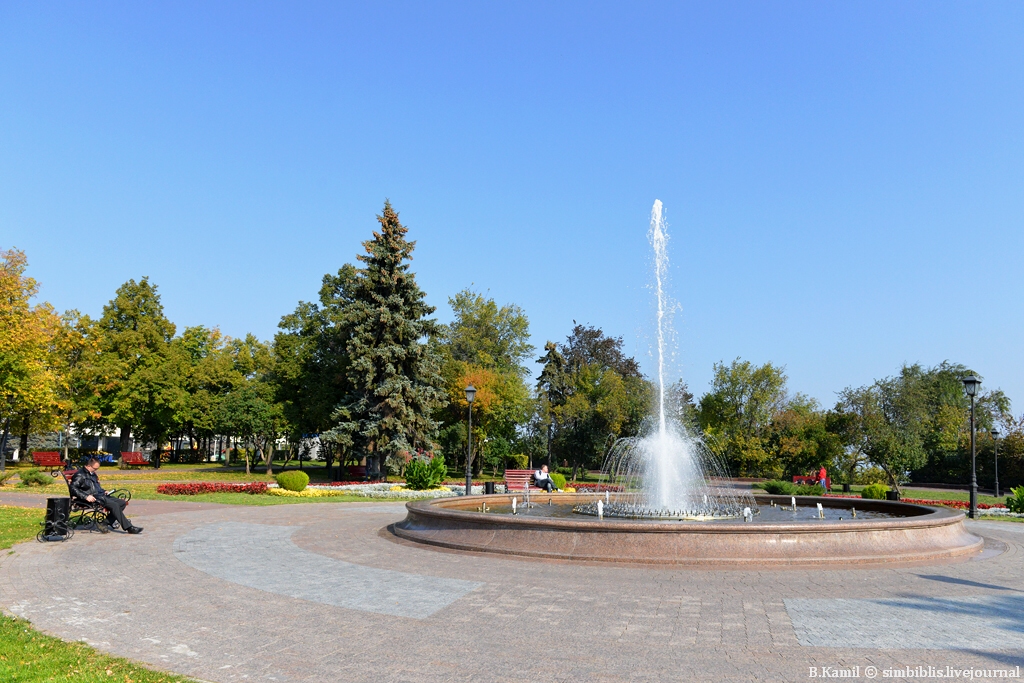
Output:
x=843 y=181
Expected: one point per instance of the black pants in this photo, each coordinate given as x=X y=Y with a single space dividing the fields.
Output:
x=116 y=508
x=546 y=484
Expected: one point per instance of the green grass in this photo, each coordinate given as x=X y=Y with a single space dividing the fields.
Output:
x=17 y=525
x=30 y=656
x=931 y=494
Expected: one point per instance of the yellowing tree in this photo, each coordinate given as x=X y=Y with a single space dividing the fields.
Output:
x=27 y=380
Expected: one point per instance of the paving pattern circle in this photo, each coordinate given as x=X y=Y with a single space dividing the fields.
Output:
x=321 y=592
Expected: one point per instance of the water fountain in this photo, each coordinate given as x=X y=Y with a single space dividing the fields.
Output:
x=668 y=470
x=675 y=506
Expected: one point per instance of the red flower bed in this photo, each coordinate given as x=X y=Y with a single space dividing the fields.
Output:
x=196 y=488
x=958 y=504
x=594 y=488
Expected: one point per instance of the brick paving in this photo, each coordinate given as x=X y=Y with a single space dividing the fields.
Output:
x=189 y=596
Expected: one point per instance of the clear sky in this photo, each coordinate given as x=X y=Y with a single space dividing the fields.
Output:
x=844 y=182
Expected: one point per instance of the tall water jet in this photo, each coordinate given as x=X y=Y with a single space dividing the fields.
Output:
x=667 y=472
x=659 y=243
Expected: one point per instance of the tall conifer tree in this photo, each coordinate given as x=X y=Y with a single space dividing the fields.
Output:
x=393 y=374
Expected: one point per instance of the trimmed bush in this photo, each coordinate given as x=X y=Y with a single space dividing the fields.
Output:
x=1015 y=503
x=779 y=488
x=35 y=477
x=874 y=491
x=809 y=490
x=423 y=475
x=558 y=480
x=517 y=461
x=294 y=480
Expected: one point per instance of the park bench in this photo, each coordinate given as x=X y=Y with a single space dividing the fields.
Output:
x=51 y=459
x=83 y=514
x=519 y=480
x=133 y=458
x=812 y=481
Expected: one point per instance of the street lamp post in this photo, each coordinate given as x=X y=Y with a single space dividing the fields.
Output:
x=995 y=441
x=971 y=384
x=470 y=395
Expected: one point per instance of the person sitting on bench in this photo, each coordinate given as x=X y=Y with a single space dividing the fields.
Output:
x=542 y=479
x=86 y=486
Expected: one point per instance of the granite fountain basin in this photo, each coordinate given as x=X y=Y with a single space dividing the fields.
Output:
x=882 y=532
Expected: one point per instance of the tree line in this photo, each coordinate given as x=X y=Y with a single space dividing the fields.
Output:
x=368 y=370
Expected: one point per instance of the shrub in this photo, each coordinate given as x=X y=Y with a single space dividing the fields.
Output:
x=35 y=477
x=293 y=480
x=5 y=476
x=1015 y=503
x=809 y=490
x=779 y=488
x=517 y=461
x=874 y=491
x=871 y=475
x=558 y=480
x=422 y=475
x=567 y=471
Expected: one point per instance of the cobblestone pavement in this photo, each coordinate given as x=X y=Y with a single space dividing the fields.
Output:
x=224 y=595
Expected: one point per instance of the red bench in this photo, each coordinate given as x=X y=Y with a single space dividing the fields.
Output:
x=519 y=480
x=133 y=458
x=813 y=481
x=47 y=458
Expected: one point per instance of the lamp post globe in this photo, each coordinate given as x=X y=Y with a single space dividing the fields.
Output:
x=971 y=384
x=995 y=442
x=470 y=395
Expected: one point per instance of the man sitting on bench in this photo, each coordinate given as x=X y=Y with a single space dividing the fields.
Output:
x=542 y=480
x=86 y=486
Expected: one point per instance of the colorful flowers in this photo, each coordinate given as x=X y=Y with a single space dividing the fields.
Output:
x=305 y=493
x=597 y=488
x=196 y=488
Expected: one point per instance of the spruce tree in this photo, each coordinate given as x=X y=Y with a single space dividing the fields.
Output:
x=393 y=373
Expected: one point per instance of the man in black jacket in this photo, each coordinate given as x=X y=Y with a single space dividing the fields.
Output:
x=86 y=486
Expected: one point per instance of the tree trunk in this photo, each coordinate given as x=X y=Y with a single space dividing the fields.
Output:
x=26 y=423
x=3 y=445
x=268 y=455
x=67 y=438
x=122 y=439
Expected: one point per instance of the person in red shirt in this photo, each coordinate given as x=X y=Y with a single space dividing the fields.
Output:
x=823 y=478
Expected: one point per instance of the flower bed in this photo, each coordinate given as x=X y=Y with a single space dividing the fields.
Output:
x=306 y=493
x=595 y=488
x=958 y=504
x=196 y=488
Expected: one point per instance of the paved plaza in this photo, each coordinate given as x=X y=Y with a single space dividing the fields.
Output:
x=322 y=592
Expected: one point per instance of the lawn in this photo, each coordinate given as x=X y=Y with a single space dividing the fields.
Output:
x=18 y=524
x=933 y=494
x=30 y=656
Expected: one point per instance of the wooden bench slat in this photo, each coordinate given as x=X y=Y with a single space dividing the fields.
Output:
x=518 y=480
x=133 y=458
x=47 y=458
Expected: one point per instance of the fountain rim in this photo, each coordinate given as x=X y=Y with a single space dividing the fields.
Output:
x=442 y=508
